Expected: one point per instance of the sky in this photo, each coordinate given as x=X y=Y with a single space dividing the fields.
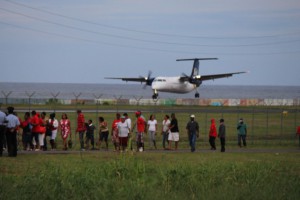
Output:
x=73 y=41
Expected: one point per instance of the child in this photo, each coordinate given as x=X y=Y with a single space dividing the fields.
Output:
x=90 y=128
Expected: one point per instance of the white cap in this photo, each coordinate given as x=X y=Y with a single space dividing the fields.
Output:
x=192 y=116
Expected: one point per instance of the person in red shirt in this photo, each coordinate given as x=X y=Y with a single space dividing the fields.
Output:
x=115 y=132
x=140 y=126
x=35 y=128
x=26 y=135
x=212 y=134
x=80 y=128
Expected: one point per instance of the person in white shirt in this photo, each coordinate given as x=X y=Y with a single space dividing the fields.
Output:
x=11 y=132
x=165 y=130
x=152 y=128
x=123 y=133
x=53 y=126
x=128 y=121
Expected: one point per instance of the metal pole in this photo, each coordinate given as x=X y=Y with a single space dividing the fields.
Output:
x=6 y=96
x=117 y=98
x=54 y=99
x=76 y=97
x=29 y=98
x=138 y=99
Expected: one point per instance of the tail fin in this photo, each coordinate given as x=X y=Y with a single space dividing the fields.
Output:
x=195 y=70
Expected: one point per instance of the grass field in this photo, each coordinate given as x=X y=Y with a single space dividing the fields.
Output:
x=149 y=175
x=236 y=174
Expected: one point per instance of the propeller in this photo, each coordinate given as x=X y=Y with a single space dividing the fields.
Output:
x=148 y=80
x=192 y=79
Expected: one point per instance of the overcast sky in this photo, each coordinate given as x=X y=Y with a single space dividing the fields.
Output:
x=74 y=41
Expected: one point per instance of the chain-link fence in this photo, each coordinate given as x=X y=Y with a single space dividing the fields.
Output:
x=269 y=121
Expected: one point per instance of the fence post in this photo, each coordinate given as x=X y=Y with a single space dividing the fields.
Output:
x=76 y=97
x=29 y=98
x=6 y=96
x=268 y=103
x=117 y=98
x=97 y=97
x=138 y=99
x=54 y=99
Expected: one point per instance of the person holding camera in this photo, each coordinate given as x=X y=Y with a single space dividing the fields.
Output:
x=242 y=132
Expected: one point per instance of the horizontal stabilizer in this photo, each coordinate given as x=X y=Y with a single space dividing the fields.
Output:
x=188 y=59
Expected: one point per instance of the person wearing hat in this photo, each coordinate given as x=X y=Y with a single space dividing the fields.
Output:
x=192 y=128
x=242 y=132
x=11 y=132
x=222 y=134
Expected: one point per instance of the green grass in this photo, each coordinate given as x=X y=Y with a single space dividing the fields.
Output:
x=169 y=175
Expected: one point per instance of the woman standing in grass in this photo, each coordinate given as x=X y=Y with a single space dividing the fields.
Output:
x=165 y=130
x=212 y=134
x=174 y=132
x=152 y=127
x=65 y=127
x=114 y=132
x=103 y=132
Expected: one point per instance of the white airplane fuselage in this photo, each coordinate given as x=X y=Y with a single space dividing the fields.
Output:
x=172 y=84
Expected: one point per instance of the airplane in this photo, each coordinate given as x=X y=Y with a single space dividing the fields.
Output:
x=178 y=84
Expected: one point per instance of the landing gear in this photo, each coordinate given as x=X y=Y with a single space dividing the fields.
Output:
x=197 y=95
x=154 y=96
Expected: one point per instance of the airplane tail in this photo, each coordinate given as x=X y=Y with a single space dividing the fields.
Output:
x=195 y=70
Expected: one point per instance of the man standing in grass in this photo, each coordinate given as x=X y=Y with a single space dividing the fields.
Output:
x=192 y=128
x=222 y=134
x=242 y=132
x=11 y=132
x=80 y=128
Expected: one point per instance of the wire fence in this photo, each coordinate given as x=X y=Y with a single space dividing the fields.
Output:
x=269 y=121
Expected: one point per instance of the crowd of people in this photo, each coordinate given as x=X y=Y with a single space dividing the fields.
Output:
x=37 y=130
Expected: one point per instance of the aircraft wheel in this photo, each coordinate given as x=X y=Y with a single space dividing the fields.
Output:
x=197 y=95
x=154 y=96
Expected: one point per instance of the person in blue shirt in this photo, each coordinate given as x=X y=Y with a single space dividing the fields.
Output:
x=242 y=132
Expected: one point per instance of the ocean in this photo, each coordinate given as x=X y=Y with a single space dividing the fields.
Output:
x=131 y=91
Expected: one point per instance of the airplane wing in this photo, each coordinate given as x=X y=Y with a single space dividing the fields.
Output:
x=141 y=79
x=207 y=77
x=216 y=76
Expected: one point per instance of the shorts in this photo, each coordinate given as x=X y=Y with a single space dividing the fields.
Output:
x=173 y=136
x=104 y=136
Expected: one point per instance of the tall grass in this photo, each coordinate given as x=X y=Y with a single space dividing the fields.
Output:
x=151 y=176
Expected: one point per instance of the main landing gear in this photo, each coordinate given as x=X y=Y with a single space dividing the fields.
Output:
x=154 y=96
x=197 y=95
